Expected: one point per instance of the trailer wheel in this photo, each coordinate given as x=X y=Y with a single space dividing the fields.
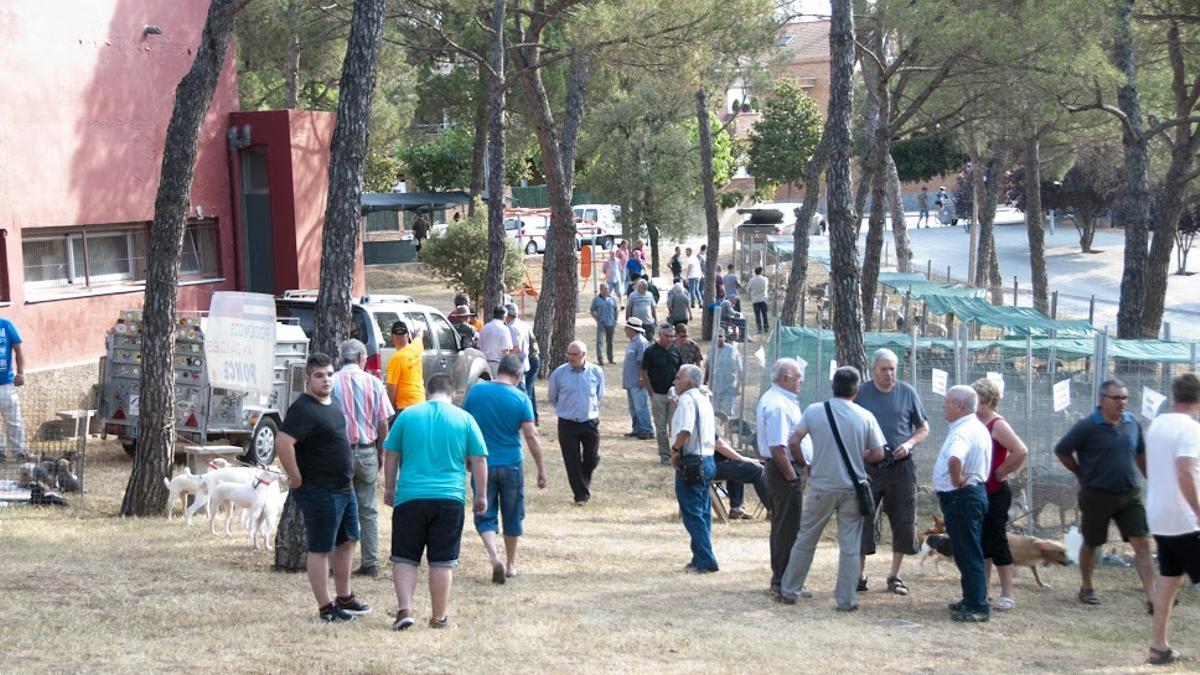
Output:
x=260 y=449
x=531 y=248
x=130 y=447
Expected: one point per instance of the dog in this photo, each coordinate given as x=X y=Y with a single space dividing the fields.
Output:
x=1051 y=487
x=67 y=481
x=938 y=527
x=231 y=496
x=243 y=475
x=1031 y=551
x=265 y=517
x=936 y=547
x=182 y=485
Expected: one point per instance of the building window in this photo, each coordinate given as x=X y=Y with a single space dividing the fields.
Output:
x=784 y=40
x=89 y=258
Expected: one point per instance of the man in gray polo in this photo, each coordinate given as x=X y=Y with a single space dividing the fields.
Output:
x=897 y=407
x=831 y=486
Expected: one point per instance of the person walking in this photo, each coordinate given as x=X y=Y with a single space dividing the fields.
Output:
x=1173 y=505
x=1106 y=451
x=642 y=304
x=315 y=452
x=758 y=297
x=777 y=414
x=844 y=436
x=679 y=309
x=897 y=407
x=505 y=415
x=604 y=311
x=923 y=207
x=495 y=340
x=521 y=334
x=693 y=438
x=689 y=351
x=364 y=402
x=12 y=375
x=733 y=287
x=694 y=270
x=575 y=390
x=436 y=440
x=959 y=476
x=723 y=374
x=614 y=276
x=636 y=394
x=676 y=265
x=660 y=364
x=1008 y=454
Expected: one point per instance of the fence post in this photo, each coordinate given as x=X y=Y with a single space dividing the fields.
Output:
x=1099 y=347
x=907 y=302
x=1092 y=310
x=1166 y=331
x=1015 y=288
x=1028 y=496
x=1193 y=349
x=912 y=365
x=1054 y=305
x=820 y=355
x=929 y=269
x=947 y=274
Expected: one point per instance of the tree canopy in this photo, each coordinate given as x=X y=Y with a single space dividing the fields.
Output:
x=782 y=142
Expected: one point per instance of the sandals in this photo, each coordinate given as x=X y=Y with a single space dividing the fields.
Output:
x=1162 y=657
x=897 y=586
x=1004 y=604
x=1088 y=596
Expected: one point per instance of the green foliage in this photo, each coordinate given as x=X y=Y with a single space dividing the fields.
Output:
x=442 y=163
x=923 y=157
x=459 y=256
x=725 y=149
x=380 y=172
x=782 y=142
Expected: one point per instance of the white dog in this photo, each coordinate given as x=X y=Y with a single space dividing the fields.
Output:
x=265 y=517
x=231 y=496
x=243 y=475
x=182 y=485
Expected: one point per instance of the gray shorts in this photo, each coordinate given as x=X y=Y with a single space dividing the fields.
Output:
x=896 y=487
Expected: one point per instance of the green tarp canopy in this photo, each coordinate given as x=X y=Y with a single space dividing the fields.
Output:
x=923 y=289
x=1012 y=320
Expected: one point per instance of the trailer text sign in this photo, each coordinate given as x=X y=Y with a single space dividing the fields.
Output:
x=239 y=342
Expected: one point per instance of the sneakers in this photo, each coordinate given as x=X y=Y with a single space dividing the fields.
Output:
x=351 y=605
x=862 y=585
x=1088 y=596
x=970 y=617
x=367 y=571
x=443 y=622
x=404 y=620
x=331 y=613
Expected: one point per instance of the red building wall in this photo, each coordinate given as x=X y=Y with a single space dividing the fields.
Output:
x=87 y=97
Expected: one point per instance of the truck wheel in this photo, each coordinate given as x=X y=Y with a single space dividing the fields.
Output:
x=260 y=449
x=531 y=248
x=130 y=448
x=606 y=243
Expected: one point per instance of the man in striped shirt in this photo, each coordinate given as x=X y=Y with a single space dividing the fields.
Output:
x=364 y=401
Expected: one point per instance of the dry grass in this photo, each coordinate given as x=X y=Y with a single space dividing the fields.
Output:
x=601 y=590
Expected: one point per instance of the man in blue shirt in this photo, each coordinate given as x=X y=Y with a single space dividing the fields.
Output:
x=604 y=311
x=12 y=375
x=504 y=413
x=631 y=380
x=1106 y=452
x=429 y=446
x=575 y=390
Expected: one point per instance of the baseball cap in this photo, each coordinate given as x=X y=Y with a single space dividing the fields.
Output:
x=399 y=328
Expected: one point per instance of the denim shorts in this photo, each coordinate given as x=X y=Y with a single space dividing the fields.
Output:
x=330 y=517
x=505 y=499
x=431 y=527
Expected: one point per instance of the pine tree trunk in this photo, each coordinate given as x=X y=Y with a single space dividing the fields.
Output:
x=291 y=75
x=479 y=148
x=899 y=222
x=493 y=279
x=798 y=274
x=712 y=265
x=1033 y=222
x=291 y=539
x=873 y=247
x=987 y=183
x=1137 y=215
x=347 y=151
x=844 y=276
x=145 y=494
x=339 y=242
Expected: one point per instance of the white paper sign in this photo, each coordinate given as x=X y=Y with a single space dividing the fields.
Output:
x=998 y=380
x=939 y=381
x=1062 y=395
x=832 y=367
x=803 y=366
x=761 y=355
x=239 y=342
x=1151 y=402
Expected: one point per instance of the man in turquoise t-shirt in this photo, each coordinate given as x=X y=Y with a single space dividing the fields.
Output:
x=504 y=413
x=430 y=444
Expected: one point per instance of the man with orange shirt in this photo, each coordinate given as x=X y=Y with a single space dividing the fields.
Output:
x=405 y=376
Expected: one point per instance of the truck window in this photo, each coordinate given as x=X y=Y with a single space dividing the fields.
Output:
x=447 y=340
x=385 y=320
x=590 y=214
x=414 y=319
x=302 y=313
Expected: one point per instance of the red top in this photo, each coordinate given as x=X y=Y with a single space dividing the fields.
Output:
x=999 y=454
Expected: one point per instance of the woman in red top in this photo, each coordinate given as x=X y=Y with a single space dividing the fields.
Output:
x=1008 y=454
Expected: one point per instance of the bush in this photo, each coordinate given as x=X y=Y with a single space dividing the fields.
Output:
x=459 y=257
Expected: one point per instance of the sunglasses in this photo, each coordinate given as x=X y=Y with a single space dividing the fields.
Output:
x=1116 y=398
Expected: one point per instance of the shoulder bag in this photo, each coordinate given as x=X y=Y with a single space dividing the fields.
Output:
x=862 y=488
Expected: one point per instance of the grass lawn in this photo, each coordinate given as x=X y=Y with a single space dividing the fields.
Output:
x=601 y=589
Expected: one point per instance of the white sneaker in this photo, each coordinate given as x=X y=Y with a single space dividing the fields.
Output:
x=1004 y=604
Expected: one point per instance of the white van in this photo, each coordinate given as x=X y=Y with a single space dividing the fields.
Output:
x=600 y=222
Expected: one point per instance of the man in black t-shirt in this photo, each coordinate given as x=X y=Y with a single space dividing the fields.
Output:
x=660 y=363
x=315 y=451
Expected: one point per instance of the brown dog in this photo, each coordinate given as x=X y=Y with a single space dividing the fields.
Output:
x=1031 y=551
x=939 y=527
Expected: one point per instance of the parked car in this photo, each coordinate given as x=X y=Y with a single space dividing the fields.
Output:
x=599 y=223
x=528 y=228
x=778 y=218
x=372 y=317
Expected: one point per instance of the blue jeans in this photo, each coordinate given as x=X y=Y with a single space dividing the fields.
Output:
x=695 y=508
x=964 y=510
x=535 y=364
x=505 y=501
x=736 y=474
x=694 y=293
x=639 y=411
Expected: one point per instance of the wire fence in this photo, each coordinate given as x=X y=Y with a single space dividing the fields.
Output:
x=43 y=452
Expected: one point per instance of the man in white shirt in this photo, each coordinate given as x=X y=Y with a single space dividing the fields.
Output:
x=1173 y=504
x=694 y=273
x=495 y=340
x=778 y=412
x=959 y=475
x=693 y=440
x=832 y=487
x=519 y=332
x=758 y=297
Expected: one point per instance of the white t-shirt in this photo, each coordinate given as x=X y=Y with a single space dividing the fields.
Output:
x=495 y=339
x=777 y=415
x=1170 y=437
x=970 y=442
x=758 y=288
x=694 y=414
x=694 y=269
